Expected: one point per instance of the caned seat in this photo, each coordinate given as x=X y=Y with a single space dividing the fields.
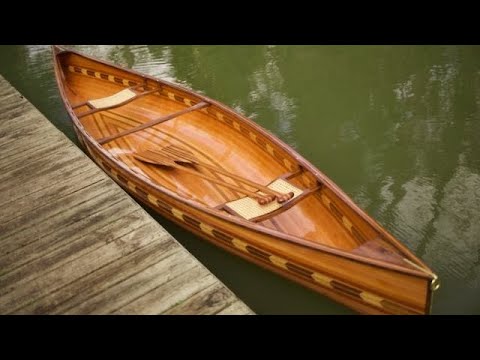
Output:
x=112 y=100
x=120 y=98
x=250 y=209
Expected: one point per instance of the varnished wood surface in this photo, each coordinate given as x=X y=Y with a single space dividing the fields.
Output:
x=73 y=242
x=323 y=241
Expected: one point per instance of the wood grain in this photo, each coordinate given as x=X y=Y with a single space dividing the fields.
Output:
x=318 y=241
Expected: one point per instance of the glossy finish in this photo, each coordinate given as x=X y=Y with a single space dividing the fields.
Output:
x=324 y=241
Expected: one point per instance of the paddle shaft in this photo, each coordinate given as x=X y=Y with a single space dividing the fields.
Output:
x=239 y=178
x=219 y=182
x=264 y=189
x=171 y=163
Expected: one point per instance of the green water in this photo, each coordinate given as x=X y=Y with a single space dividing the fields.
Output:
x=397 y=127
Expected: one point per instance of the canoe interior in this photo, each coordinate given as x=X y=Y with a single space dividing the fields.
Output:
x=215 y=137
x=343 y=253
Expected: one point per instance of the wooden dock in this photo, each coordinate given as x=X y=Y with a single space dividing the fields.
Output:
x=73 y=242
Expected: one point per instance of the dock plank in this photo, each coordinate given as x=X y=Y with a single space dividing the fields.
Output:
x=138 y=284
x=73 y=242
x=37 y=257
x=89 y=289
x=237 y=308
x=171 y=293
x=209 y=301
x=78 y=263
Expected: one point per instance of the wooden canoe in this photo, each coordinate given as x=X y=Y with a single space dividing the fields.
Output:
x=319 y=238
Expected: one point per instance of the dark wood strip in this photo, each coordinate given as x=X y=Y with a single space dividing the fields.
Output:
x=221 y=236
x=228 y=121
x=358 y=236
x=257 y=252
x=345 y=289
x=142 y=193
x=164 y=206
x=122 y=179
x=299 y=270
x=191 y=221
x=335 y=211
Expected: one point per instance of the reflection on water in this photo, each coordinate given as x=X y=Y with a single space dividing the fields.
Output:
x=396 y=127
x=268 y=84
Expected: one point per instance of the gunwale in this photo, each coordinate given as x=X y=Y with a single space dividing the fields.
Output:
x=425 y=273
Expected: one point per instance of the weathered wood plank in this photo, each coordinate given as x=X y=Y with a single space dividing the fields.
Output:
x=72 y=241
x=136 y=286
x=170 y=293
x=77 y=264
x=27 y=162
x=20 y=128
x=237 y=308
x=38 y=256
x=74 y=296
x=75 y=205
x=206 y=302
x=59 y=183
x=24 y=127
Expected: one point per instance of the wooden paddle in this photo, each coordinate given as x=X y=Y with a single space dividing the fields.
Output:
x=151 y=123
x=160 y=159
x=182 y=155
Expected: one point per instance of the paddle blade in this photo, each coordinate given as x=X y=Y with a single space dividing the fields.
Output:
x=153 y=158
x=178 y=154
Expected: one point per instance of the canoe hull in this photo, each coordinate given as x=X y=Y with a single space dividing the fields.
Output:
x=365 y=284
x=330 y=276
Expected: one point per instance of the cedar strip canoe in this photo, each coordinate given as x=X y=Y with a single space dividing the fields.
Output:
x=319 y=237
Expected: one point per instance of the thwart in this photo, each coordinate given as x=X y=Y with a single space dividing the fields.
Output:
x=224 y=178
